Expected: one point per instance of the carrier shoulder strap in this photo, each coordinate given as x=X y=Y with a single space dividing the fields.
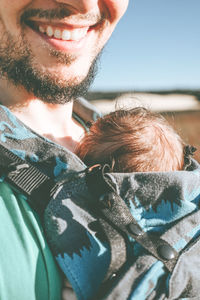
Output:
x=27 y=179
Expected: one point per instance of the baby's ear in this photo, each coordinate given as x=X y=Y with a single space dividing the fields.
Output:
x=188 y=153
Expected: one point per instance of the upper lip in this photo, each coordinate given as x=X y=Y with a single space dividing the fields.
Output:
x=63 y=24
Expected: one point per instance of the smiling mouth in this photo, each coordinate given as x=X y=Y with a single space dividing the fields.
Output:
x=58 y=32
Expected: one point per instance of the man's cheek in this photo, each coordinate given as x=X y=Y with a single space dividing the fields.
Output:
x=10 y=14
x=116 y=9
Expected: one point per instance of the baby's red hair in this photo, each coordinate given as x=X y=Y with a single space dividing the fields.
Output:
x=135 y=140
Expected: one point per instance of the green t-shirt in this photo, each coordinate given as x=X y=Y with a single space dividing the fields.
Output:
x=27 y=268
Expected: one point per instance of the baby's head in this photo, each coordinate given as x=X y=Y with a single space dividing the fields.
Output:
x=135 y=140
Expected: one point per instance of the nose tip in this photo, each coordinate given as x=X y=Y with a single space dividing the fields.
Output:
x=81 y=6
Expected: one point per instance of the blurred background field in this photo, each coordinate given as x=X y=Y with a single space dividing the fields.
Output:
x=187 y=124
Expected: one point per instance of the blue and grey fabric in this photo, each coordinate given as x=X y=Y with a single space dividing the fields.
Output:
x=165 y=205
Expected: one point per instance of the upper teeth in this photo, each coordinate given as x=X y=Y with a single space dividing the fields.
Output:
x=65 y=35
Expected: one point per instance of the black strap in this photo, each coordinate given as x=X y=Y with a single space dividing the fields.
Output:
x=27 y=179
x=100 y=186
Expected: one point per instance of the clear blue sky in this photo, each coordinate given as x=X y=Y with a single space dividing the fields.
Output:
x=155 y=46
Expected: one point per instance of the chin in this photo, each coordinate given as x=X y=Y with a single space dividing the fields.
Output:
x=65 y=73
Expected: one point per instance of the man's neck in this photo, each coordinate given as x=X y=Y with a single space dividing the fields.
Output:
x=53 y=121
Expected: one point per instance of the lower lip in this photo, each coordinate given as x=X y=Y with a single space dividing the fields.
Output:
x=65 y=46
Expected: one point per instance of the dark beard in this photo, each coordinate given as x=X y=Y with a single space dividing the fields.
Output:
x=16 y=65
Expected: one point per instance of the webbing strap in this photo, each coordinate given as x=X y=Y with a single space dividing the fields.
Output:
x=37 y=186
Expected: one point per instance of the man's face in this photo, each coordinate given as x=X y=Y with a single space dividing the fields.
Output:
x=54 y=40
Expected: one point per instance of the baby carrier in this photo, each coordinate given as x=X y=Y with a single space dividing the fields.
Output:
x=115 y=236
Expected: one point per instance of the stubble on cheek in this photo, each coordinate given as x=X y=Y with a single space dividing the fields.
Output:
x=12 y=47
